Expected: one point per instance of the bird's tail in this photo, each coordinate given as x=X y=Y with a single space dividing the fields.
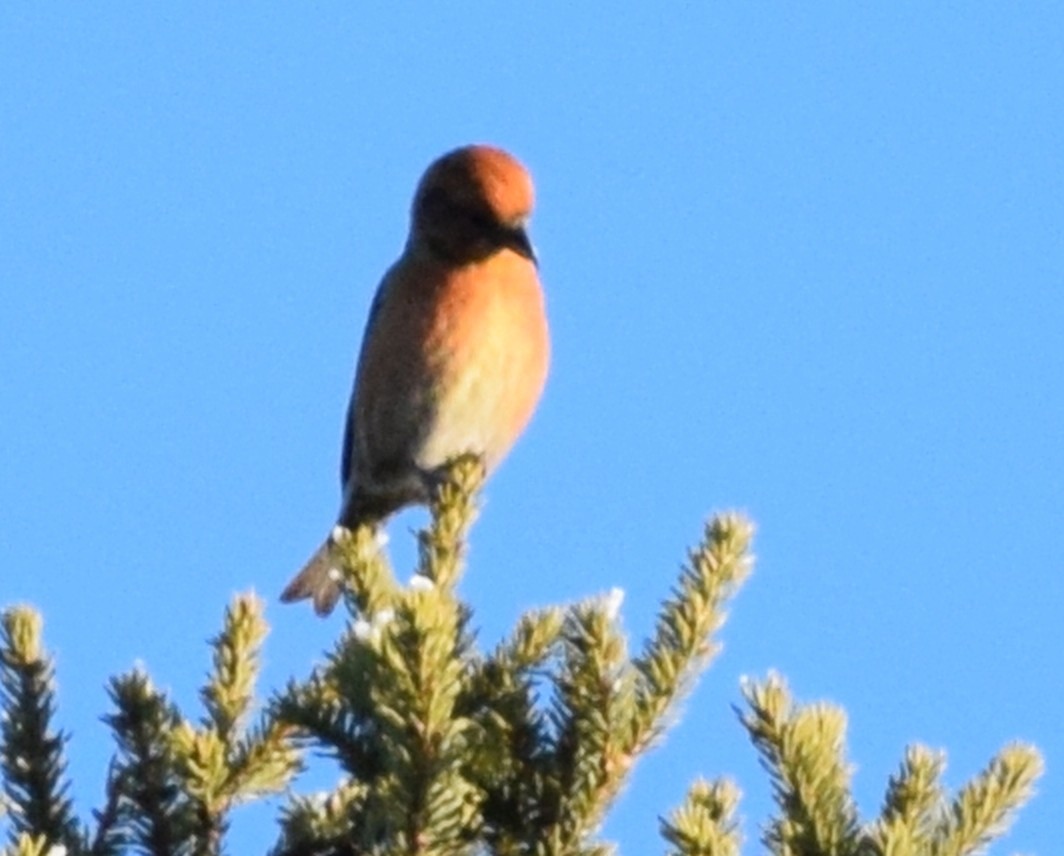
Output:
x=319 y=580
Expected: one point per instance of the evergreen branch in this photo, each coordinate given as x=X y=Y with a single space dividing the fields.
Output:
x=111 y=837
x=334 y=710
x=320 y=715
x=324 y=823
x=229 y=692
x=531 y=643
x=369 y=583
x=234 y=764
x=683 y=644
x=31 y=845
x=802 y=749
x=912 y=806
x=152 y=805
x=705 y=825
x=451 y=753
x=386 y=702
x=32 y=758
x=201 y=762
x=347 y=679
x=174 y=783
x=982 y=810
x=426 y=802
x=453 y=507
x=915 y=795
x=219 y=764
x=512 y=763
x=264 y=761
x=593 y=710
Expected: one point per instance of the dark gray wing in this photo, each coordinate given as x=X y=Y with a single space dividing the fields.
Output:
x=347 y=456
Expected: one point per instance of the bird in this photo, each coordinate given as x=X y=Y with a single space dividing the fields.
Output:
x=455 y=353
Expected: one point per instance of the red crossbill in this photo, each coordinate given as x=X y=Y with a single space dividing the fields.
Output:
x=455 y=352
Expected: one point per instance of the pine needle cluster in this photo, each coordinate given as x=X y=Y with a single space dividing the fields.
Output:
x=172 y=782
x=448 y=750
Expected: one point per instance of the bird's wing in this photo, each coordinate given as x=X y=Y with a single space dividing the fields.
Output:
x=391 y=407
x=347 y=462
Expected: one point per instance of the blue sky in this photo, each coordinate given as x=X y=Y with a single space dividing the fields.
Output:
x=805 y=262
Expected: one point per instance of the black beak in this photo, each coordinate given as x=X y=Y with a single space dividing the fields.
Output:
x=516 y=238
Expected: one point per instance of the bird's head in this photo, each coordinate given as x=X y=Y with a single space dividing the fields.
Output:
x=473 y=202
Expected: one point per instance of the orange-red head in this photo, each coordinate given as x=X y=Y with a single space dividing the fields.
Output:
x=472 y=202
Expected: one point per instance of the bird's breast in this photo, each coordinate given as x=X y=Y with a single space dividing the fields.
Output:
x=487 y=356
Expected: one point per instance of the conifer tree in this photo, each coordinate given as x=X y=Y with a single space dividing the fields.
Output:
x=448 y=750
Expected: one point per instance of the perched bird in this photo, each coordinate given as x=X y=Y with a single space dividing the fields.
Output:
x=455 y=352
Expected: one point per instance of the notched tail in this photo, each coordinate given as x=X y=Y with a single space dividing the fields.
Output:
x=319 y=580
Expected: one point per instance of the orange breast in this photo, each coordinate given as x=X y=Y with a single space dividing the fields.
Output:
x=456 y=362
x=489 y=351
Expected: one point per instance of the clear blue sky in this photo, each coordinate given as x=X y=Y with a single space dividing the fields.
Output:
x=802 y=262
